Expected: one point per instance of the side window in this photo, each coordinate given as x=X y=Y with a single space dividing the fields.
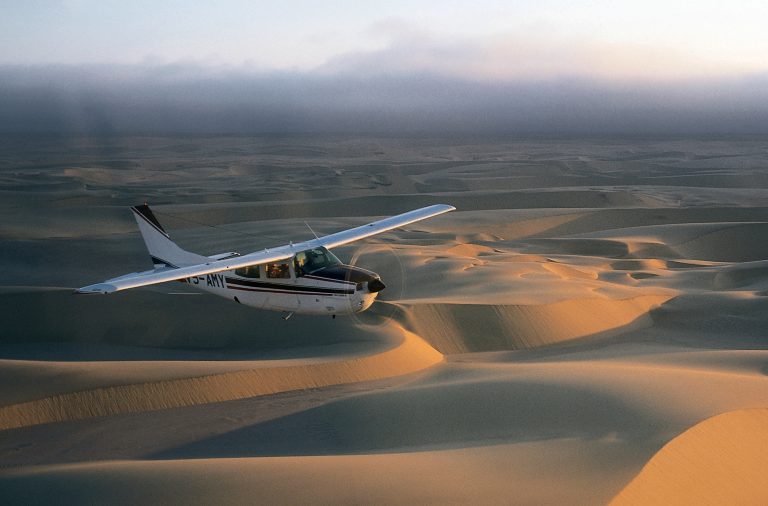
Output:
x=299 y=263
x=278 y=270
x=251 y=271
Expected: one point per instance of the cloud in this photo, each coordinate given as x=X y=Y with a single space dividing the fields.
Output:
x=524 y=55
x=190 y=98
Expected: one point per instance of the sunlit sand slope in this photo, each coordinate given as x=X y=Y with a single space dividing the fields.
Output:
x=722 y=460
x=412 y=355
x=502 y=474
x=462 y=328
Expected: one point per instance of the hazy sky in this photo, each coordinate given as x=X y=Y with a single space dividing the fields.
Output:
x=525 y=65
x=651 y=38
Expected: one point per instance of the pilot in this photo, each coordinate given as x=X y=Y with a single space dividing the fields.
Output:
x=300 y=264
x=313 y=262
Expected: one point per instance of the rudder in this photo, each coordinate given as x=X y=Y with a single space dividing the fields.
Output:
x=164 y=252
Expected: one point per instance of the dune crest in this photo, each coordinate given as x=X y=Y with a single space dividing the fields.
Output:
x=411 y=355
x=722 y=460
x=463 y=328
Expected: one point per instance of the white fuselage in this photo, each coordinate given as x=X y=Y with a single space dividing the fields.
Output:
x=310 y=294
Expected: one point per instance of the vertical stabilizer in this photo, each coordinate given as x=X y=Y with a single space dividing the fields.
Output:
x=164 y=252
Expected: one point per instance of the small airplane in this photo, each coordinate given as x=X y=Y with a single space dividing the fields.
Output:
x=296 y=278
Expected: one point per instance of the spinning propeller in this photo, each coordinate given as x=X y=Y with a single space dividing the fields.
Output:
x=385 y=260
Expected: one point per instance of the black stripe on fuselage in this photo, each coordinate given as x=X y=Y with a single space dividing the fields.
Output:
x=241 y=284
x=328 y=280
x=285 y=292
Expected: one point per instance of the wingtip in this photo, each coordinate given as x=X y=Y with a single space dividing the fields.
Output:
x=100 y=288
x=445 y=208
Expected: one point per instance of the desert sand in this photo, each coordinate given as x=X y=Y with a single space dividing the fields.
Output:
x=721 y=460
x=589 y=327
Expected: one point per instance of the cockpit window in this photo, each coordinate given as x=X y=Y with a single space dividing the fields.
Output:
x=313 y=260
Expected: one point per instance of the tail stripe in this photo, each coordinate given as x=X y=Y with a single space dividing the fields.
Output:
x=145 y=212
x=163 y=251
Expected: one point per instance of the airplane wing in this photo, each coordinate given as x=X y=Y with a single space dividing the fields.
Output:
x=268 y=255
x=378 y=227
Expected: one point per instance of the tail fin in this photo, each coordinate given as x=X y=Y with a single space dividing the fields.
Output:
x=164 y=252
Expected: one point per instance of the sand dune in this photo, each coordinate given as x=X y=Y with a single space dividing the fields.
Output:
x=590 y=309
x=490 y=475
x=721 y=460
x=461 y=328
x=744 y=276
x=500 y=418
x=411 y=355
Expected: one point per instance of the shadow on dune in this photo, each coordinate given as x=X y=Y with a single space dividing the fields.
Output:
x=452 y=415
x=151 y=325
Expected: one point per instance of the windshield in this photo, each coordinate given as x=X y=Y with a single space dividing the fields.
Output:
x=313 y=260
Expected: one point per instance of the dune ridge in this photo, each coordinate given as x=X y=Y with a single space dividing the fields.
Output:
x=464 y=328
x=411 y=355
x=460 y=476
x=722 y=460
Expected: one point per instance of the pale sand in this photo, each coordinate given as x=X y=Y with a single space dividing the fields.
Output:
x=410 y=355
x=585 y=420
x=722 y=460
x=594 y=301
x=461 y=328
x=491 y=475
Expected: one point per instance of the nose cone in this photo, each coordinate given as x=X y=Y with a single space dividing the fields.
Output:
x=375 y=285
